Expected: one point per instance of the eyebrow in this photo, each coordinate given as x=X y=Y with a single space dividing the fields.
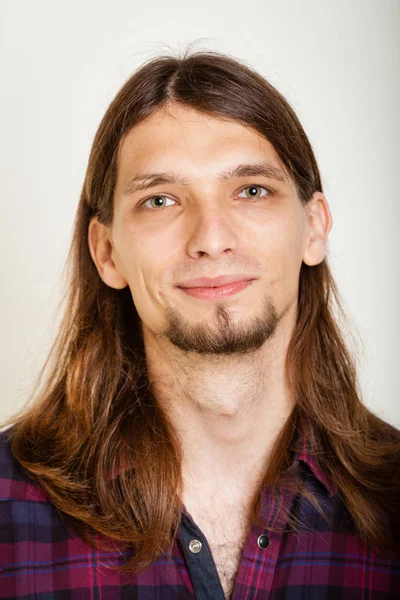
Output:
x=143 y=181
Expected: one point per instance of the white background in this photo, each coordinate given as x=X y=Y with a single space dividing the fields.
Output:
x=338 y=64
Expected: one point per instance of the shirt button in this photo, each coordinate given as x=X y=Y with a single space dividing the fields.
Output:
x=195 y=546
x=263 y=541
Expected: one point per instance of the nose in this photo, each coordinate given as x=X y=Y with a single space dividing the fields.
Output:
x=212 y=231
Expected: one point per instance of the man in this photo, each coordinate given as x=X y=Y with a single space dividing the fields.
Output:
x=201 y=427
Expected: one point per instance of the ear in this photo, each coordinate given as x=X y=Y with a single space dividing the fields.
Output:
x=319 y=220
x=101 y=251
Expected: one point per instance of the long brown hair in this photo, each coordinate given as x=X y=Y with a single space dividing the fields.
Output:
x=95 y=413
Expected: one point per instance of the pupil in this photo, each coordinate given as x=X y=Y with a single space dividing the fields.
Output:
x=253 y=188
x=158 y=199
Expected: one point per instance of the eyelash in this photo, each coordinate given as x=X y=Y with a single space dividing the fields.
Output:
x=270 y=193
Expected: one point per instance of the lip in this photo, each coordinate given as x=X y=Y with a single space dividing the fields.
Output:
x=215 y=293
x=231 y=285
x=209 y=282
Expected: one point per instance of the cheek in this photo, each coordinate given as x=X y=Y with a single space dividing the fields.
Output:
x=282 y=248
x=145 y=259
x=134 y=245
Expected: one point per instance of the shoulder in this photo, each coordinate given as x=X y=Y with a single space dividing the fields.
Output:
x=15 y=482
x=28 y=519
x=37 y=543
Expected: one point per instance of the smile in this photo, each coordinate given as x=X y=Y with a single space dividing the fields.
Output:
x=214 y=293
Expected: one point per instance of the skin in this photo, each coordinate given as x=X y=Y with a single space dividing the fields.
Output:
x=216 y=367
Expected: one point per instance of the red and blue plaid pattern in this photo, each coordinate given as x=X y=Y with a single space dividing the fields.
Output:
x=43 y=558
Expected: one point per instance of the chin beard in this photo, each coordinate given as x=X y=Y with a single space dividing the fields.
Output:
x=222 y=336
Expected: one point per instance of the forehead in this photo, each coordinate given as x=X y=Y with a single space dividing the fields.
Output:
x=182 y=138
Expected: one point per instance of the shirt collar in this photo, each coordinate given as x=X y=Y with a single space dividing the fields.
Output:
x=304 y=455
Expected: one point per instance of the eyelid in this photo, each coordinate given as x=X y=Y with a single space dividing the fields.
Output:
x=270 y=191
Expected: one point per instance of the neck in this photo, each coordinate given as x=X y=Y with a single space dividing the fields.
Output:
x=228 y=412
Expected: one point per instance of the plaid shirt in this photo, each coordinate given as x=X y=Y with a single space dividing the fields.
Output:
x=43 y=558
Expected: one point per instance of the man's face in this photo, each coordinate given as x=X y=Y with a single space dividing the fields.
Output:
x=173 y=232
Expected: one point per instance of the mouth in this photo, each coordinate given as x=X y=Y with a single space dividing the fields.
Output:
x=216 y=292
